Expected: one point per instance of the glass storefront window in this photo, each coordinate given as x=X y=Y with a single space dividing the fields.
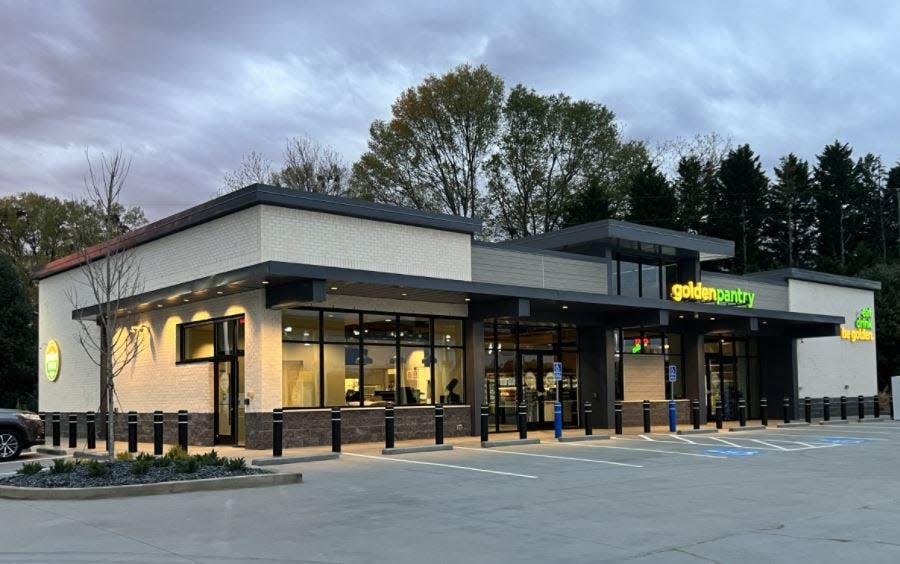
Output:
x=569 y=335
x=650 y=281
x=378 y=328
x=415 y=375
x=670 y=276
x=341 y=327
x=448 y=375
x=416 y=331
x=537 y=337
x=341 y=375
x=380 y=375
x=198 y=342
x=300 y=374
x=673 y=343
x=300 y=326
x=629 y=283
x=449 y=332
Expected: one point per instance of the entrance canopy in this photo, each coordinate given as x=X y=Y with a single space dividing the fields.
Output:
x=291 y=285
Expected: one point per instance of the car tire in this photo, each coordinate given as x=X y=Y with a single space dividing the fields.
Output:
x=10 y=444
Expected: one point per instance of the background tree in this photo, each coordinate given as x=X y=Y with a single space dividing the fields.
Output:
x=18 y=341
x=110 y=277
x=875 y=221
x=430 y=154
x=892 y=204
x=738 y=209
x=836 y=196
x=695 y=182
x=887 y=319
x=788 y=229
x=310 y=166
x=254 y=169
x=651 y=199
x=549 y=149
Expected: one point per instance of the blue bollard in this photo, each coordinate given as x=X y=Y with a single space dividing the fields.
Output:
x=671 y=416
x=557 y=420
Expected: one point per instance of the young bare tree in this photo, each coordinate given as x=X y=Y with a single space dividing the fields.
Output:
x=111 y=275
x=254 y=169
x=310 y=166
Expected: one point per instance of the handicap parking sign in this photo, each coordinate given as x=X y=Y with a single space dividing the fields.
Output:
x=733 y=451
x=673 y=373
x=557 y=371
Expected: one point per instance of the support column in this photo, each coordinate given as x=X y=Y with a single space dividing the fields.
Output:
x=695 y=370
x=475 y=372
x=596 y=370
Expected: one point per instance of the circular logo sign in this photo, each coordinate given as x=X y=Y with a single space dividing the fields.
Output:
x=52 y=361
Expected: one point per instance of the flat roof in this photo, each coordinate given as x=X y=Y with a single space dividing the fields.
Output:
x=614 y=232
x=785 y=274
x=262 y=194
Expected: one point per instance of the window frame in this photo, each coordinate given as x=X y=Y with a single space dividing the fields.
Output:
x=216 y=323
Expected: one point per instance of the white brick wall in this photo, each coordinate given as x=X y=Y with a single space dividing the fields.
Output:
x=825 y=365
x=318 y=238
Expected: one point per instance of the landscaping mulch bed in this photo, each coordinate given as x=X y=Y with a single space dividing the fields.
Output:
x=120 y=474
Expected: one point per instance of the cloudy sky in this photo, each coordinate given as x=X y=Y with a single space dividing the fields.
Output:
x=187 y=88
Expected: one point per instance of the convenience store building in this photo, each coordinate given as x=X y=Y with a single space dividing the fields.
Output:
x=267 y=298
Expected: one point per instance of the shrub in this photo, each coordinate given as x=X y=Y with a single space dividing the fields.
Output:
x=187 y=466
x=124 y=456
x=177 y=453
x=144 y=456
x=234 y=464
x=210 y=458
x=140 y=467
x=162 y=462
x=30 y=468
x=97 y=469
x=62 y=466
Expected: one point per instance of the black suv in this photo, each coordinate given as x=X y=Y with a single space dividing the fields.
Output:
x=19 y=430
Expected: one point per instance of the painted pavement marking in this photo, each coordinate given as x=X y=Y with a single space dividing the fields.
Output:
x=551 y=456
x=422 y=462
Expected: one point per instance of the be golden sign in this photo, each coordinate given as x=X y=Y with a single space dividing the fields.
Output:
x=862 y=329
x=52 y=361
x=700 y=293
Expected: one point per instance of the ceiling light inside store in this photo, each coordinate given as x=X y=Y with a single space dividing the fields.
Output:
x=288 y=329
x=403 y=294
x=219 y=292
x=712 y=318
x=158 y=305
x=565 y=307
x=185 y=300
x=334 y=288
x=265 y=282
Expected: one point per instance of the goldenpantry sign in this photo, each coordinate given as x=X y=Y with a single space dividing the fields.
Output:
x=52 y=361
x=719 y=296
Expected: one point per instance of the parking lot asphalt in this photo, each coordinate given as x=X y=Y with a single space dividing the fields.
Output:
x=824 y=494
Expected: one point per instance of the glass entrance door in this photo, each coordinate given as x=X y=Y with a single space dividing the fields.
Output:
x=539 y=388
x=721 y=381
x=229 y=408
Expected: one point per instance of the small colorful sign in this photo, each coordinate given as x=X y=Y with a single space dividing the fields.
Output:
x=52 y=361
x=720 y=296
x=862 y=329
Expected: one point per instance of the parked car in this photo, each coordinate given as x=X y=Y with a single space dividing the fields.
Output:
x=19 y=430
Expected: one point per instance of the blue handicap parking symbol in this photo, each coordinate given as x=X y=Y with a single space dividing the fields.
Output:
x=840 y=440
x=733 y=451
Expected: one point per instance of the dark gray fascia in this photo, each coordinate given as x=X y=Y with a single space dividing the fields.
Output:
x=511 y=246
x=709 y=248
x=782 y=275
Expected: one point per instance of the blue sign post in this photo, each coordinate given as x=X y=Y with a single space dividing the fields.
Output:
x=557 y=406
x=673 y=375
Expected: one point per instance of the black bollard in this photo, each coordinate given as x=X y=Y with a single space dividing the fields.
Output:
x=618 y=413
x=787 y=409
x=861 y=407
x=695 y=413
x=132 y=431
x=158 y=433
x=335 y=429
x=588 y=424
x=876 y=407
x=56 y=429
x=807 y=409
x=522 y=420
x=183 y=429
x=485 y=415
x=826 y=408
x=742 y=411
x=105 y=422
x=277 y=431
x=438 y=424
x=843 y=408
x=389 y=425
x=763 y=411
x=43 y=417
x=719 y=414
x=73 y=430
x=91 y=419
x=646 y=409
x=891 y=406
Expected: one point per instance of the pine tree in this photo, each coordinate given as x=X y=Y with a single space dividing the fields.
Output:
x=738 y=207
x=836 y=191
x=651 y=199
x=696 y=180
x=18 y=335
x=788 y=229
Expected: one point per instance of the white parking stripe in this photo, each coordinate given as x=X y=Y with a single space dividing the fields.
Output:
x=646 y=438
x=682 y=439
x=551 y=456
x=833 y=431
x=729 y=443
x=768 y=444
x=646 y=450
x=386 y=459
x=804 y=446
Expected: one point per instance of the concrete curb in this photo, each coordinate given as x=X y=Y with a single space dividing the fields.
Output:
x=873 y=420
x=835 y=422
x=52 y=450
x=580 y=438
x=697 y=431
x=513 y=442
x=748 y=428
x=793 y=424
x=104 y=492
x=274 y=460
x=414 y=449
